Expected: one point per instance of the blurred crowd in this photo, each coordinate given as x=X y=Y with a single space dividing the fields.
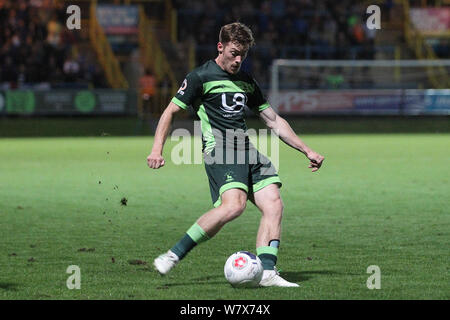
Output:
x=278 y=22
x=36 y=47
x=319 y=30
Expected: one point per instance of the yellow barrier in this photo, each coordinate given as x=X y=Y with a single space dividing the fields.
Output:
x=105 y=55
x=154 y=58
x=171 y=20
x=438 y=76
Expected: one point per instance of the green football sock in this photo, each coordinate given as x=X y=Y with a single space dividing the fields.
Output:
x=193 y=236
x=268 y=254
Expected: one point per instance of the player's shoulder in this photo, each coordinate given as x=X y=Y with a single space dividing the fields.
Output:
x=203 y=71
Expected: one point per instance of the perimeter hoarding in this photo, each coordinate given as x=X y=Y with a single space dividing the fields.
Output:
x=369 y=102
x=68 y=102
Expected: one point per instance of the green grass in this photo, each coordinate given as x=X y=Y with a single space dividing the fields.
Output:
x=378 y=200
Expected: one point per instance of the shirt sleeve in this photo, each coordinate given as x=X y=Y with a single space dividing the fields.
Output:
x=189 y=91
x=257 y=102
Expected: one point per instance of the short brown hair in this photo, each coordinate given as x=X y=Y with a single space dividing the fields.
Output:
x=237 y=32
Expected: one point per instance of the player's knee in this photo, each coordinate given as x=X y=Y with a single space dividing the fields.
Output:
x=274 y=209
x=280 y=204
x=236 y=208
x=233 y=209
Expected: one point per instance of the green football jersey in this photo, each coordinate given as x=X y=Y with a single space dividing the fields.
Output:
x=219 y=99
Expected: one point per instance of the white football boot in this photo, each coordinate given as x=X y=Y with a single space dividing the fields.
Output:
x=165 y=262
x=271 y=278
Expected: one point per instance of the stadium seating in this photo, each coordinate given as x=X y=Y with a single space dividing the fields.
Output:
x=37 y=48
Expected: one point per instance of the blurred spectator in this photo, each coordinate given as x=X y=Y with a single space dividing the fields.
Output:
x=334 y=81
x=369 y=45
x=71 y=69
x=291 y=29
x=147 y=85
x=165 y=91
x=22 y=76
x=387 y=9
x=36 y=48
x=10 y=72
x=54 y=29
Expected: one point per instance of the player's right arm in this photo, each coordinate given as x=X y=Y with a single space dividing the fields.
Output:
x=155 y=160
x=188 y=92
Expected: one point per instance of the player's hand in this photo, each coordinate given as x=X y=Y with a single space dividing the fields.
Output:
x=155 y=161
x=315 y=159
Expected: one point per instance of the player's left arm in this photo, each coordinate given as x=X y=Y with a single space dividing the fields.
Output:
x=288 y=136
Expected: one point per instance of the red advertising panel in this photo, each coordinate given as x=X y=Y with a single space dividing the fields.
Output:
x=431 y=21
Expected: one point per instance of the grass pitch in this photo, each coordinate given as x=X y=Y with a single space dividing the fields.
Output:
x=92 y=202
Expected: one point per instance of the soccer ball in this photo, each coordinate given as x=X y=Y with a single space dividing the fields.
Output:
x=243 y=269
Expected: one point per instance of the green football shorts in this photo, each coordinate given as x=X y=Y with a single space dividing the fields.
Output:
x=248 y=170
